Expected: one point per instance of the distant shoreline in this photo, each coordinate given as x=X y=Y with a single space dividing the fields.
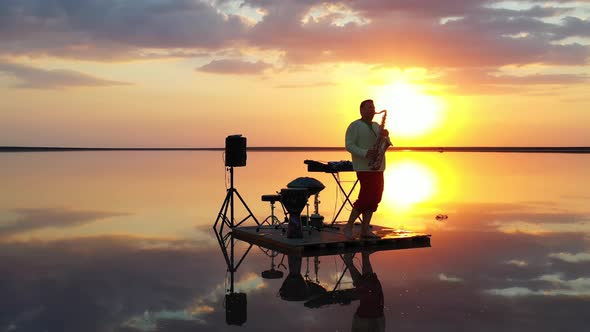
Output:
x=514 y=149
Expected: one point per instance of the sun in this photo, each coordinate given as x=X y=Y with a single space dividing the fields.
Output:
x=410 y=111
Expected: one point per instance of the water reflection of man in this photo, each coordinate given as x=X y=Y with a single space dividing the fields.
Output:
x=369 y=315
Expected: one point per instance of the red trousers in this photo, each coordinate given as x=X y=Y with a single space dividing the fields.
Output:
x=371 y=191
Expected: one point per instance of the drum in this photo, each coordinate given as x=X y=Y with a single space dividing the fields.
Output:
x=294 y=200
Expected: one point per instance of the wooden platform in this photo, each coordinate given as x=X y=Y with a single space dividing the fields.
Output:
x=329 y=240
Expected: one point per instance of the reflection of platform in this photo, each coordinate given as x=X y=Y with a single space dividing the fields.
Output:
x=330 y=241
x=341 y=296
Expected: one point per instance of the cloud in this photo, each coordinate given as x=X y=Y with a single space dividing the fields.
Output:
x=236 y=67
x=392 y=33
x=579 y=287
x=517 y=262
x=493 y=81
x=96 y=29
x=535 y=227
x=493 y=77
x=37 y=78
x=399 y=34
x=419 y=8
x=444 y=277
x=571 y=258
x=513 y=291
x=573 y=27
x=34 y=219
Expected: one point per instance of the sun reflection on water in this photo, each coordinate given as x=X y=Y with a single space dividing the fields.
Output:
x=414 y=187
x=409 y=182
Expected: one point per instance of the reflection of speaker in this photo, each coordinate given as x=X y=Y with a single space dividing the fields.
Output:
x=235 y=308
x=235 y=150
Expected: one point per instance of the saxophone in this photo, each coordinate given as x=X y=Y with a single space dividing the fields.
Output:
x=381 y=145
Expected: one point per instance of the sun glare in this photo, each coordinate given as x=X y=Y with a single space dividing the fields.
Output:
x=410 y=111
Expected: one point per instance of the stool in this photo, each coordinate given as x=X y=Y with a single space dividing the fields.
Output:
x=272 y=220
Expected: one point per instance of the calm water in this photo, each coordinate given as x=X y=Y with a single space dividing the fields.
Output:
x=123 y=241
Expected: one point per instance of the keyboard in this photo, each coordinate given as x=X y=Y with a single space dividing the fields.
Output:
x=329 y=167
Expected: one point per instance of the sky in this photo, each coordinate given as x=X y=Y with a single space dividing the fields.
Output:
x=188 y=73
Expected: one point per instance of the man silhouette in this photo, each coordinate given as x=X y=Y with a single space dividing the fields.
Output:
x=361 y=136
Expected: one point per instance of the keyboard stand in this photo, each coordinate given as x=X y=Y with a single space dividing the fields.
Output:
x=346 y=194
x=315 y=166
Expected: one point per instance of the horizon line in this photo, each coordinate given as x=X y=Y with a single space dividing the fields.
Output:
x=522 y=149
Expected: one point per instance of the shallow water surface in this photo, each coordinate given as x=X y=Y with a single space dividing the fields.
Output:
x=123 y=241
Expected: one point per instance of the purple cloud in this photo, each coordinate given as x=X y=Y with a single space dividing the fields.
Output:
x=110 y=30
x=402 y=33
x=37 y=78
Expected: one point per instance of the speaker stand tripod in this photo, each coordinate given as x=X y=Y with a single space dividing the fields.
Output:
x=228 y=204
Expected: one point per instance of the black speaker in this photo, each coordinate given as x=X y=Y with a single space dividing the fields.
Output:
x=235 y=151
x=236 y=308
